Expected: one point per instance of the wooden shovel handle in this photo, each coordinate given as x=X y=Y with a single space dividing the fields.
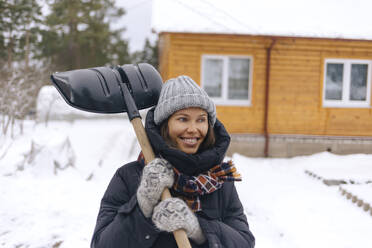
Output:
x=179 y=235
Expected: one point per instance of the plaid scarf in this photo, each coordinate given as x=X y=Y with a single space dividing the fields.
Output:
x=192 y=187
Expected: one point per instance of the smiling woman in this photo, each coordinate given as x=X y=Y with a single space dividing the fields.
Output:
x=190 y=144
x=187 y=129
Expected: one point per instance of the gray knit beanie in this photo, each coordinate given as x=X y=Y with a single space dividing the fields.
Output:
x=179 y=93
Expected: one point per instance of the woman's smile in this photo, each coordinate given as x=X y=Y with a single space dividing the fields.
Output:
x=190 y=141
x=188 y=128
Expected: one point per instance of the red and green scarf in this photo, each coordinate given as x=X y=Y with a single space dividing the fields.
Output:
x=192 y=187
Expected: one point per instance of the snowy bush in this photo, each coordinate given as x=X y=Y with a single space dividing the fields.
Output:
x=51 y=106
x=19 y=88
x=48 y=159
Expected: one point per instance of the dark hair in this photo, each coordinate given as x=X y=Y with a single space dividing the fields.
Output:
x=208 y=142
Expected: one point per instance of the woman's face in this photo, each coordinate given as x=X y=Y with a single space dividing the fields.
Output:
x=187 y=129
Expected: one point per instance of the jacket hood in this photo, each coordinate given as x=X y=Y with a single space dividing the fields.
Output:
x=189 y=164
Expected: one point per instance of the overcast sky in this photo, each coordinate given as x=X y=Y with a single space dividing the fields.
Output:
x=137 y=21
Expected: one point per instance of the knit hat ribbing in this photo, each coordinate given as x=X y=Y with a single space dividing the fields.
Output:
x=179 y=93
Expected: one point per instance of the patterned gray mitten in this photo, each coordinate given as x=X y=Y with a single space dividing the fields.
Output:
x=173 y=214
x=157 y=175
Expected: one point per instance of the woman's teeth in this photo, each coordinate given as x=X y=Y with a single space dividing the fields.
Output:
x=190 y=141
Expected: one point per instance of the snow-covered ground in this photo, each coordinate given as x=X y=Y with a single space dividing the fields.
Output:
x=52 y=178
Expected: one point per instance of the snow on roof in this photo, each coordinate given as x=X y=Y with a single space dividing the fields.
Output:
x=348 y=19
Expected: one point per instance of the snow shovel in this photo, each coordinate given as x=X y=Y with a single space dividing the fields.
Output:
x=119 y=89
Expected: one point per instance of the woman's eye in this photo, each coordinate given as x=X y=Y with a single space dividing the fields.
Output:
x=183 y=119
x=201 y=120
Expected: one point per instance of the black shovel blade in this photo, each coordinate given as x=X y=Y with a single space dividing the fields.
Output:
x=99 y=89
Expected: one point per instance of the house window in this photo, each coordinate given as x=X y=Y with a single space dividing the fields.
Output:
x=347 y=83
x=227 y=79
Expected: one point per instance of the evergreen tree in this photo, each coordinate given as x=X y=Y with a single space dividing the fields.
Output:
x=18 y=19
x=2 y=29
x=30 y=30
x=149 y=54
x=79 y=34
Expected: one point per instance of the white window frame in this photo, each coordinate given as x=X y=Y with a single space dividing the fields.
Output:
x=345 y=102
x=223 y=100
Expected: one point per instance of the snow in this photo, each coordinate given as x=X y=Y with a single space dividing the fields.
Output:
x=51 y=106
x=50 y=196
x=348 y=19
x=287 y=208
x=362 y=192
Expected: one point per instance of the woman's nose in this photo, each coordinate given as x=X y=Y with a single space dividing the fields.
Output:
x=191 y=127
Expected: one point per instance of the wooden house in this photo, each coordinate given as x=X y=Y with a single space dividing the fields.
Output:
x=285 y=88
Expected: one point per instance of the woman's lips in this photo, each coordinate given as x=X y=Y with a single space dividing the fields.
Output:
x=190 y=141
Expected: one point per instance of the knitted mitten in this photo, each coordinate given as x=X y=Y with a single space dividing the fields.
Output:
x=157 y=175
x=172 y=214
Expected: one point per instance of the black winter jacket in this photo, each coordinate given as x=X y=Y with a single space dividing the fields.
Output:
x=120 y=222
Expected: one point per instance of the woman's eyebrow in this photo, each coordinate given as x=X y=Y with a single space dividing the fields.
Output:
x=181 y=114
x=185 y=114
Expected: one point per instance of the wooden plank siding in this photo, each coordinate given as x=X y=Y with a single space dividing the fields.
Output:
x=296 y=81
